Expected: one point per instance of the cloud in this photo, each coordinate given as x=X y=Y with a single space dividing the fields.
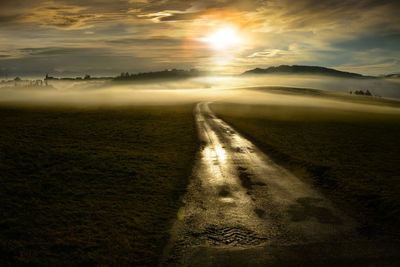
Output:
x=154 y=41
x=390 y=41
x=268 y=53
x=164 y=32
x=341 y=16
x=180 y=16
x=63 y=15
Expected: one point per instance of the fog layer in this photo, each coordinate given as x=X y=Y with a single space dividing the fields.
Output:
x=232 y=89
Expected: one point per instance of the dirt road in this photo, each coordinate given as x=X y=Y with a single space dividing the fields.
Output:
x=242 y=209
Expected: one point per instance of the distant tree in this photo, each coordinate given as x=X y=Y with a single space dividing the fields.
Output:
x=17 y=79
x=48 y=77
x=165 y=74
x=359 y=92
x=87 y=77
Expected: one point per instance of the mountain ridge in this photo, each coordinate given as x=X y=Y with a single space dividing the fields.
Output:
x=303 y=69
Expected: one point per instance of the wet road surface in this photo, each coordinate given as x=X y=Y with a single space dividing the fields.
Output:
x=242 y=209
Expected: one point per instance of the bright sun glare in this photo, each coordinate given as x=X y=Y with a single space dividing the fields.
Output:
x=223 y=38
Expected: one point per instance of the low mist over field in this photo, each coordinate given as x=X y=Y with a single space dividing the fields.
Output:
x=209 y=88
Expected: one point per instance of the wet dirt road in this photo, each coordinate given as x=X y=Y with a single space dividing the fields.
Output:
x=242 y=209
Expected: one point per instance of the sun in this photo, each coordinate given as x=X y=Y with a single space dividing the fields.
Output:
x=223 y=38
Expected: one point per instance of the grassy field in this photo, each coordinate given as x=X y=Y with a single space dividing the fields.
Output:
x=330 y=95
x=352 y=156
x=91 y=186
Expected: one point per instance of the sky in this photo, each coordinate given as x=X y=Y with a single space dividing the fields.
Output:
x=103 y=37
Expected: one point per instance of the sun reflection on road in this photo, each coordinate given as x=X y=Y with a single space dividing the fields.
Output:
x=216 y=153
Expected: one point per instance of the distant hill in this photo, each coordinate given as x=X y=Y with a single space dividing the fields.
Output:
x=298 y=69
x=165 y=74
x=395 y=75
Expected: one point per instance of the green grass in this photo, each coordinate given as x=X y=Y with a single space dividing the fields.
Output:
x=353 y=157
x=94 y=186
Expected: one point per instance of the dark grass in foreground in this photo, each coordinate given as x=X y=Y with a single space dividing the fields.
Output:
x=91 y=186
x=353 y=156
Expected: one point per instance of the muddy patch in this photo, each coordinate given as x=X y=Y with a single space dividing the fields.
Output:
x=260 y=213
x=245 y=179
x=224 y=191
x=307 y=207
x=239 y=150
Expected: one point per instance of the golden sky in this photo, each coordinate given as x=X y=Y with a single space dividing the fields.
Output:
x=103 y=37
